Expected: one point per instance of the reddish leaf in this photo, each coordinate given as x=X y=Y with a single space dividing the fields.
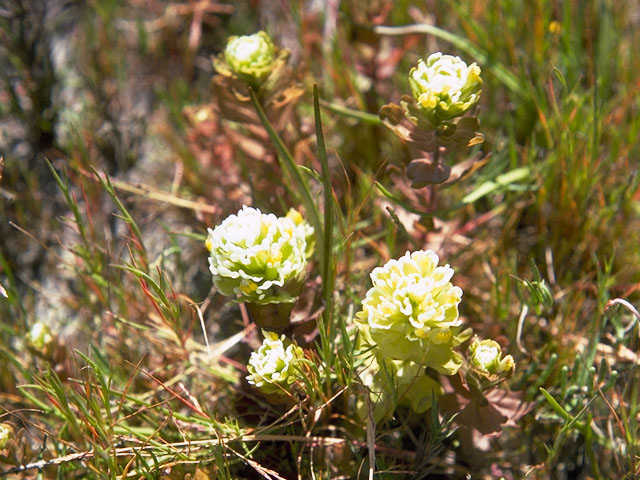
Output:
x=424 y=171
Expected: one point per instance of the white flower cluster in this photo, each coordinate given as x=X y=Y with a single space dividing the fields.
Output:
x=259 y=258
x=274 y=366
x=411 y=312
x=445 y=87
x=251 y=57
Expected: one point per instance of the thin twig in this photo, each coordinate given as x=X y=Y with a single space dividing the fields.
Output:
x=523 y=315
x=148 y=192
x=204 y=329
x=628 y=306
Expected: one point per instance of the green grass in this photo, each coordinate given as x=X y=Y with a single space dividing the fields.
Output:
x=103 y=228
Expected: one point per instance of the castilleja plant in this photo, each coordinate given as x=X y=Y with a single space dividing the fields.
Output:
x=409 y=329
x=255 y=62
x=275 y=366
x=250 y=57
x=473 y=393
x=435 y=120
x=411 y=313
x=487 y=364
x=261 y=259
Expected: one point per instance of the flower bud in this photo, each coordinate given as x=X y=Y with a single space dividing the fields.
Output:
x=251 y=57
x=40 y=338
x=540 y=294
x=411 y=312
x=273 y=367
x=258 y=258
x=445 y=87
x=6 y=434
x=485 y=356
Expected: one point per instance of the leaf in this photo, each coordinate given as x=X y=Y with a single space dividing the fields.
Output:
x=466 y=168
x=255 y=149
x=233 y=105
x=464 y=135
x=410 y=125
x=509 y=404
x=394 y=117
x=502 y=180
x=424 y=171
x=489 y=413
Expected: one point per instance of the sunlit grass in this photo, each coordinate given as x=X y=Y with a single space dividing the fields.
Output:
x=103 y=237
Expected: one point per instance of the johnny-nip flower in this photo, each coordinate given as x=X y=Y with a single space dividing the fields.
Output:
x=275 y=365
x=411 y=312
x=259 y=258
x=251 y=57
x=485 y=356
x=445 y=87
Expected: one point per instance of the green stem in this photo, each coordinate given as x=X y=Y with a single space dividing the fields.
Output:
x=289 y=165
x=271 y=316
x=351 y=113
x=327 y=248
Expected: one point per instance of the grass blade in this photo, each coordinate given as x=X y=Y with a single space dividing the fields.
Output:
x=327 y=248
x=290 y=166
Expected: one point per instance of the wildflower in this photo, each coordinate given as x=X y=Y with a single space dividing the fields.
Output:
x=445 y=87
x=6 y=434
x=273 y=367
x=258 y=258
x=251 y=57
x=411 y=312
x=40 y=338
x=485 y=356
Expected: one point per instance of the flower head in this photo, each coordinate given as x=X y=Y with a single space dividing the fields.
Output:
x=251 y=57
x=411 y=312
x=258 y=257
x=272 y=367
x=485 y=356
x=445 y=87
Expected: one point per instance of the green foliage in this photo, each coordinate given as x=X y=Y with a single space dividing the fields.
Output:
x=119 y=152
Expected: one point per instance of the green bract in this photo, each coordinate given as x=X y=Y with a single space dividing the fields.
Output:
x=251 y=57
x=445 y=87
x=272 y=367
x=258 y=258
x=485 y=356
x=411 y=312
x=392 y=382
